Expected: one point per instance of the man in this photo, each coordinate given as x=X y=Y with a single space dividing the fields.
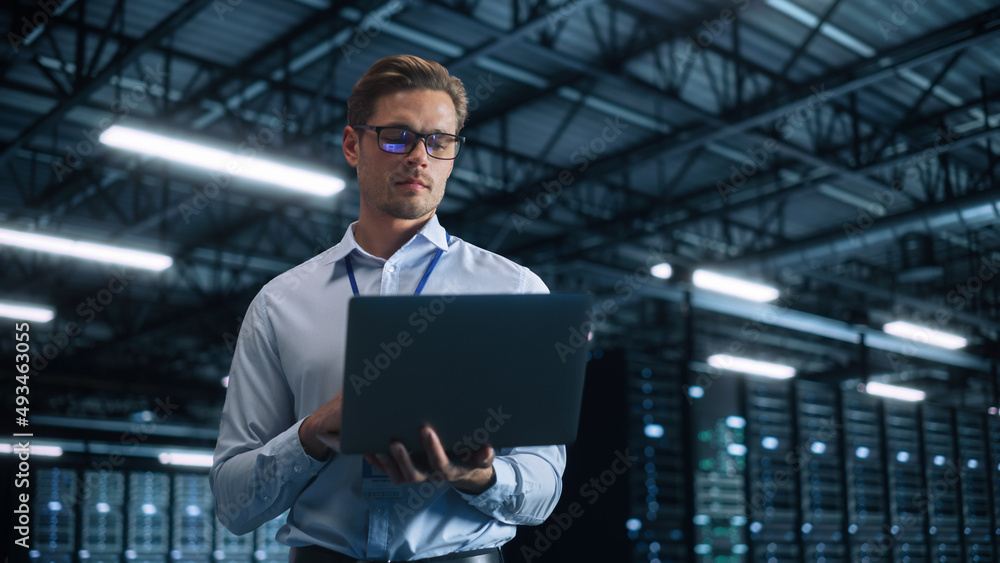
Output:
x=279 y=437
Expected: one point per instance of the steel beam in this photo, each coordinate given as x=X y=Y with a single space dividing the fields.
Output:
x=518 y=34
x=983 y=206
x=151 y=39
x=968 y=33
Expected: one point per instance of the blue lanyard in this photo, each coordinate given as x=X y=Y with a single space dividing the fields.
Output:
x=423 y=280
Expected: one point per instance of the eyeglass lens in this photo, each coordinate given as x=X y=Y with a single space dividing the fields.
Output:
x=396 y=140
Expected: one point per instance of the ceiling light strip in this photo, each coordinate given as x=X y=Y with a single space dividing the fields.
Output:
x=753 y=367
x=926 y=335
x=86 y=250
x=203 y=156
x=734 y=286
x=26 y=312
x=894 y=392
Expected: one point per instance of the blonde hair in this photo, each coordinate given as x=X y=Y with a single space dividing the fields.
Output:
x=403 y=72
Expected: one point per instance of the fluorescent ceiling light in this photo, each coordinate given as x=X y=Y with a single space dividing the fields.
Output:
x=793 y=11
x=221 y=161
x=847 y=40
x=843 y=196
x=47 y=451
x=87 y=250
x=727 y=152
x=662 y=271
x=185 y=458
x=755 y=367
x=615 y=109
x=733 y=286
x=833 y=32
x=922 y=334
x=26 y=312
x=894 y=392
x=979 y=120
x=38 y=29
x=922 y=82
x=513 y=72
x=447 y=48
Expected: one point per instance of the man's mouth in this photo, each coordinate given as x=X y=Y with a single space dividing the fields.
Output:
x=412 y=183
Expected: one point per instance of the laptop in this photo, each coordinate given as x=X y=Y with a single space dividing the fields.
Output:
x=506 y=370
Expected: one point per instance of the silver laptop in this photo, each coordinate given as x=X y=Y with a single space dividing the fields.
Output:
x=506 y=370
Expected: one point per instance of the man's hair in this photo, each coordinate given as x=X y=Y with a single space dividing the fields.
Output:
x=403 y=72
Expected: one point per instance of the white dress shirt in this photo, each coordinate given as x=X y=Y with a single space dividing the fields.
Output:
x=289 y=361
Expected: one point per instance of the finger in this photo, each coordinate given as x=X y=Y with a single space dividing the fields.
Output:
x=483 y=457
x=391 y=468
x=374 y=462
x=437 y=458
x=488 y=455
x=337 y=412
x=408 y=472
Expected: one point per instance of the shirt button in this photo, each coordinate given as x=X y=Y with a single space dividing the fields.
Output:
x=390 y=268
x=266 y=498
x=378 y=510
x=297 y=468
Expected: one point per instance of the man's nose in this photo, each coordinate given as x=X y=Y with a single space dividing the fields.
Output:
x=418 y=156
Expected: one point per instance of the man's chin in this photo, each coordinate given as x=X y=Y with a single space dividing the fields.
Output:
x=408 y=213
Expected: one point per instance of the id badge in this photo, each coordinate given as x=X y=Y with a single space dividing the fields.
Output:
x=376 y=485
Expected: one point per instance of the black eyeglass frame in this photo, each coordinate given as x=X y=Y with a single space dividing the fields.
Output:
x=424 y=136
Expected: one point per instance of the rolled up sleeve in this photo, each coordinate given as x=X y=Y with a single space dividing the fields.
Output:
x=528 y=485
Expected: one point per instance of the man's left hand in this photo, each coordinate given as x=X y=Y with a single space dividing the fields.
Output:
x=472 y=477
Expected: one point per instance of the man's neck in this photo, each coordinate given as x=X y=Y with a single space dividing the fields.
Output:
x=383 y=236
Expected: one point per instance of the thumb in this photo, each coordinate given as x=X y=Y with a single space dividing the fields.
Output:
x=483 y=457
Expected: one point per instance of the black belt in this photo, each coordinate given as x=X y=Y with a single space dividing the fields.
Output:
x=316 y=554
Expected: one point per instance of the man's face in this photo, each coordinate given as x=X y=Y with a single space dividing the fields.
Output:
x=404 y=186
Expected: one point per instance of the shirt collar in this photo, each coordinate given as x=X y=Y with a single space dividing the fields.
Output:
x=432 y=231
x=435 y=233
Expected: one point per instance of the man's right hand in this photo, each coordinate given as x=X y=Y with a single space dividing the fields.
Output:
x=319 y=433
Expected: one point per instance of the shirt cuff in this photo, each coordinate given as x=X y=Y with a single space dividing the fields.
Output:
x=299 y=461
x=493 y=497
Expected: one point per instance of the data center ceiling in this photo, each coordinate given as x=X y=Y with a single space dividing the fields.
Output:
x=842 y=151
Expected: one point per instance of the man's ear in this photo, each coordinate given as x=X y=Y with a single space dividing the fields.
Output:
x=351 y=141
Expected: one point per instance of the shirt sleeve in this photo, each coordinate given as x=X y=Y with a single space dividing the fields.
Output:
x=260 y=467
x=528 y=485
x=531 y=283
x=529 y=480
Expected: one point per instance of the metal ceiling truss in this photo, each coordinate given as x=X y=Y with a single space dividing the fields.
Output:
x=619 y=161
x=940 y=183
x=87 y=84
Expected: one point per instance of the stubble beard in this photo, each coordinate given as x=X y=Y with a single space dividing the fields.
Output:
x=407 y=206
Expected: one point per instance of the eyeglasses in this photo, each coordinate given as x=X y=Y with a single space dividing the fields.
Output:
x=397 y=140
